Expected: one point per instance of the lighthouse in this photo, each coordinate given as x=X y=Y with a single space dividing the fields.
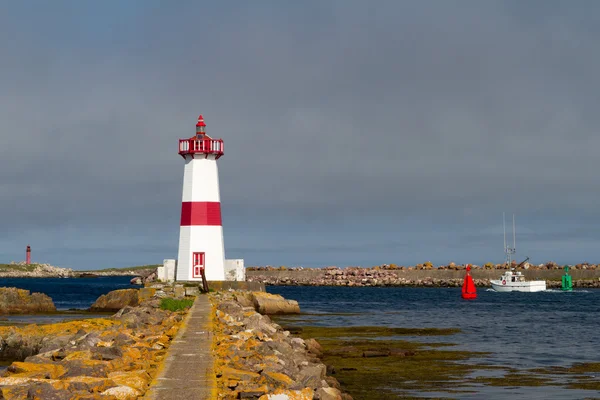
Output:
x=201 y=233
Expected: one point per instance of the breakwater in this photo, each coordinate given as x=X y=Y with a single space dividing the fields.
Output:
x=102 y=358
x=118 y=357
x=256 y=359
x=583 y=276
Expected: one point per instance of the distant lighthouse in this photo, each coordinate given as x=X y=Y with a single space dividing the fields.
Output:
x=201 y=233
x=28 y=255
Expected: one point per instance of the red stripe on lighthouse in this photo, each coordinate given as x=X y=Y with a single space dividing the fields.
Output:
x=200 y=213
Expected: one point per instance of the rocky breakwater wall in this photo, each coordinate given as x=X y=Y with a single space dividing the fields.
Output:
x=354 y=276
x=420 y=276
x=20 y=301
x=103 y=358
x=256 y=359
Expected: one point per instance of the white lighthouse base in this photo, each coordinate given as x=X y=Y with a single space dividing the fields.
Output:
x=202 y=239
x=166 y=273
x=234 y=270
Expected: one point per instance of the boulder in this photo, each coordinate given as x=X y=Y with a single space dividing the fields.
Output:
x=116 y=300
x=270 y=304
x=329 y=394
x=137 y=280
x=304 y=394
x=20 y=301
x=314 y=347
x=122 y=393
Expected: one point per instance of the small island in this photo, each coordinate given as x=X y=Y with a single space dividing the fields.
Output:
x=35 y=270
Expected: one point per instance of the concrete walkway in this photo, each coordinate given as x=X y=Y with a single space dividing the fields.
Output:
x=188 y=369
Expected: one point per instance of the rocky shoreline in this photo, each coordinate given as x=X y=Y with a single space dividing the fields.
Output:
x=23 y=270
x=102 y=358
x=117 y=357
x=257 y=359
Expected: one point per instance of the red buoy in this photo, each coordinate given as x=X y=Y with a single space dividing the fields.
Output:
x=468 y=288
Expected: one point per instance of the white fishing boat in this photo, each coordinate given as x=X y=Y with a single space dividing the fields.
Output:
x=513 y=280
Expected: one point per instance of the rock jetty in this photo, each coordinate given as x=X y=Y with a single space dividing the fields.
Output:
x=113 y=358
x=423 y=275
x=257 y=359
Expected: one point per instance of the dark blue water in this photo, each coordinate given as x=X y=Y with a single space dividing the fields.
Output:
x=522 y=330
x=71 y=293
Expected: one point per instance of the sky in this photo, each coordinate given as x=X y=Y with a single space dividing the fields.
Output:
x=356 y=132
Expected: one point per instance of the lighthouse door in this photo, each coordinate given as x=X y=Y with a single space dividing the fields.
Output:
x=197 y=265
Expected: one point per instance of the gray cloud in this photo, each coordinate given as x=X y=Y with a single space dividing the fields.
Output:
x=402 y=129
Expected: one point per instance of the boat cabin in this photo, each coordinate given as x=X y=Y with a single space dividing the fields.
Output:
x=510 y=277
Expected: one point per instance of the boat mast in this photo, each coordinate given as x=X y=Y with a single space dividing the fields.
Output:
x=509 y=251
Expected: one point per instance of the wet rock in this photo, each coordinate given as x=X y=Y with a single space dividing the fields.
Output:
x=314 y=347
x=138 y=280
x=375 y=353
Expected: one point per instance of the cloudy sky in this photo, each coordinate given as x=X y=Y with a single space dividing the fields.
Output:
x=356 y=132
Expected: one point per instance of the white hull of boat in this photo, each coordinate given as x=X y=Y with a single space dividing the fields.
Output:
x=528 y=286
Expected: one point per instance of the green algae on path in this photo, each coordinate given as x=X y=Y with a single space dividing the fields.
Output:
x=370 y=364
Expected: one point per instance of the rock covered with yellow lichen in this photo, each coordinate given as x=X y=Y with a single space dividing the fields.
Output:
x=112 y=358
x=116 y=300
x=257 y=359
x=21 y=301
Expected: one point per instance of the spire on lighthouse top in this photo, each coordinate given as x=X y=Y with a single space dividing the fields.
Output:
x=201 y=143
x=200 y=126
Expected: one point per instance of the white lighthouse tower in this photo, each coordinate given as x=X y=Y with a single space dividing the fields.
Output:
x=201 y=233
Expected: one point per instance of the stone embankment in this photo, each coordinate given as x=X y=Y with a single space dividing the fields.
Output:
x=21 y=301
x=420 y=276
x=106 y=358
x=257 y=359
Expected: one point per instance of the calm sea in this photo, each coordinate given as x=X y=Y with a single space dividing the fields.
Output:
x=71 y=293
x=522 y=330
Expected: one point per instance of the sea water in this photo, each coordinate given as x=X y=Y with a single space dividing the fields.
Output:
x=71 y=293
x=522 y=330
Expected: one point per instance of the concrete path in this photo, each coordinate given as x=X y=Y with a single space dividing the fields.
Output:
x=188 y=369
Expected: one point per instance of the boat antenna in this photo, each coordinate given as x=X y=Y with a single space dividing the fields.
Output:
x=509 y=251
x=514 y=235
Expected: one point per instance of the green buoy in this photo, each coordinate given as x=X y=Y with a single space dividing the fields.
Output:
x=567 y=282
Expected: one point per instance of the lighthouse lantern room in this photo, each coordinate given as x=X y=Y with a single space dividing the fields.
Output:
x=201 y=232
